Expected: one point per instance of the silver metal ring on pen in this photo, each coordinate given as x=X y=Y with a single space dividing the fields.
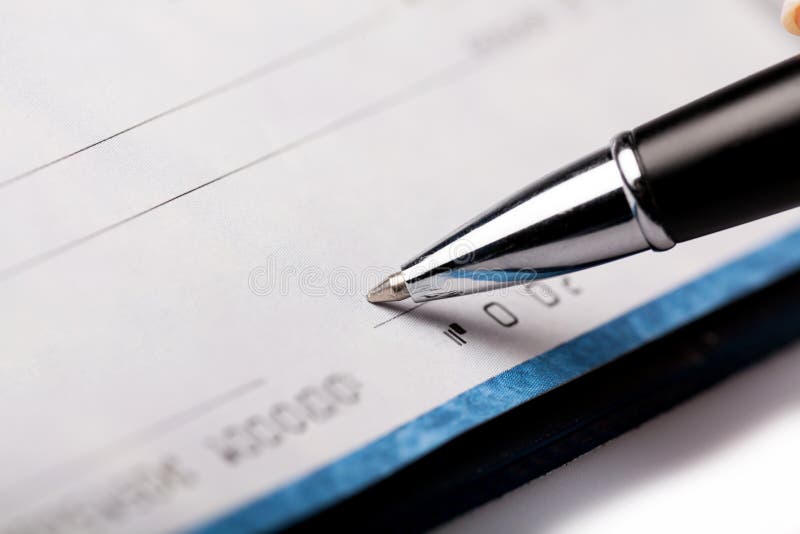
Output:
x=639 y=198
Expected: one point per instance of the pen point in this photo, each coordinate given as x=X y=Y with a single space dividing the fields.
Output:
x=390 y=290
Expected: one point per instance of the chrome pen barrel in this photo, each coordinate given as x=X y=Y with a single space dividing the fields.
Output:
x=587 y=213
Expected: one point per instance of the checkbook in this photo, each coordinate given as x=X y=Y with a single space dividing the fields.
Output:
x=192 y=209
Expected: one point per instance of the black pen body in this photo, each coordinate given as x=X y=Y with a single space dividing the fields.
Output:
x=728 y=158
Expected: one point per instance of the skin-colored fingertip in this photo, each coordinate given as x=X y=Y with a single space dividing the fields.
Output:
x=791 y=16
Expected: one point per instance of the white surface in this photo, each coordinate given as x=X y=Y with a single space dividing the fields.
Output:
x=123 y=317
x=725 y=461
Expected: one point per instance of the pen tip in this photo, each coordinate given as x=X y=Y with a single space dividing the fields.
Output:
x=390 y=290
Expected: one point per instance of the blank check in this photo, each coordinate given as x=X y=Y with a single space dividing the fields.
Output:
x=193 y=200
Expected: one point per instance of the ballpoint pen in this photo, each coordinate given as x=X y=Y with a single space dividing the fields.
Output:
x=723 y=160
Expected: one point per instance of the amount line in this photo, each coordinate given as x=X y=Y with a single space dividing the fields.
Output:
x=391 y=101
x=341 y=36
x=397 y=316
x=74 y=468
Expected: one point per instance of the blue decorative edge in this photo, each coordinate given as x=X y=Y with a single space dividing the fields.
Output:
x=507 y=390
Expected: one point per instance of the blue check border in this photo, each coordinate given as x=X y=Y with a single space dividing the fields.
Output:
x=519 y=384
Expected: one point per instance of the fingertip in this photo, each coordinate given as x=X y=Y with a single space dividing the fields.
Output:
x=791 y=16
